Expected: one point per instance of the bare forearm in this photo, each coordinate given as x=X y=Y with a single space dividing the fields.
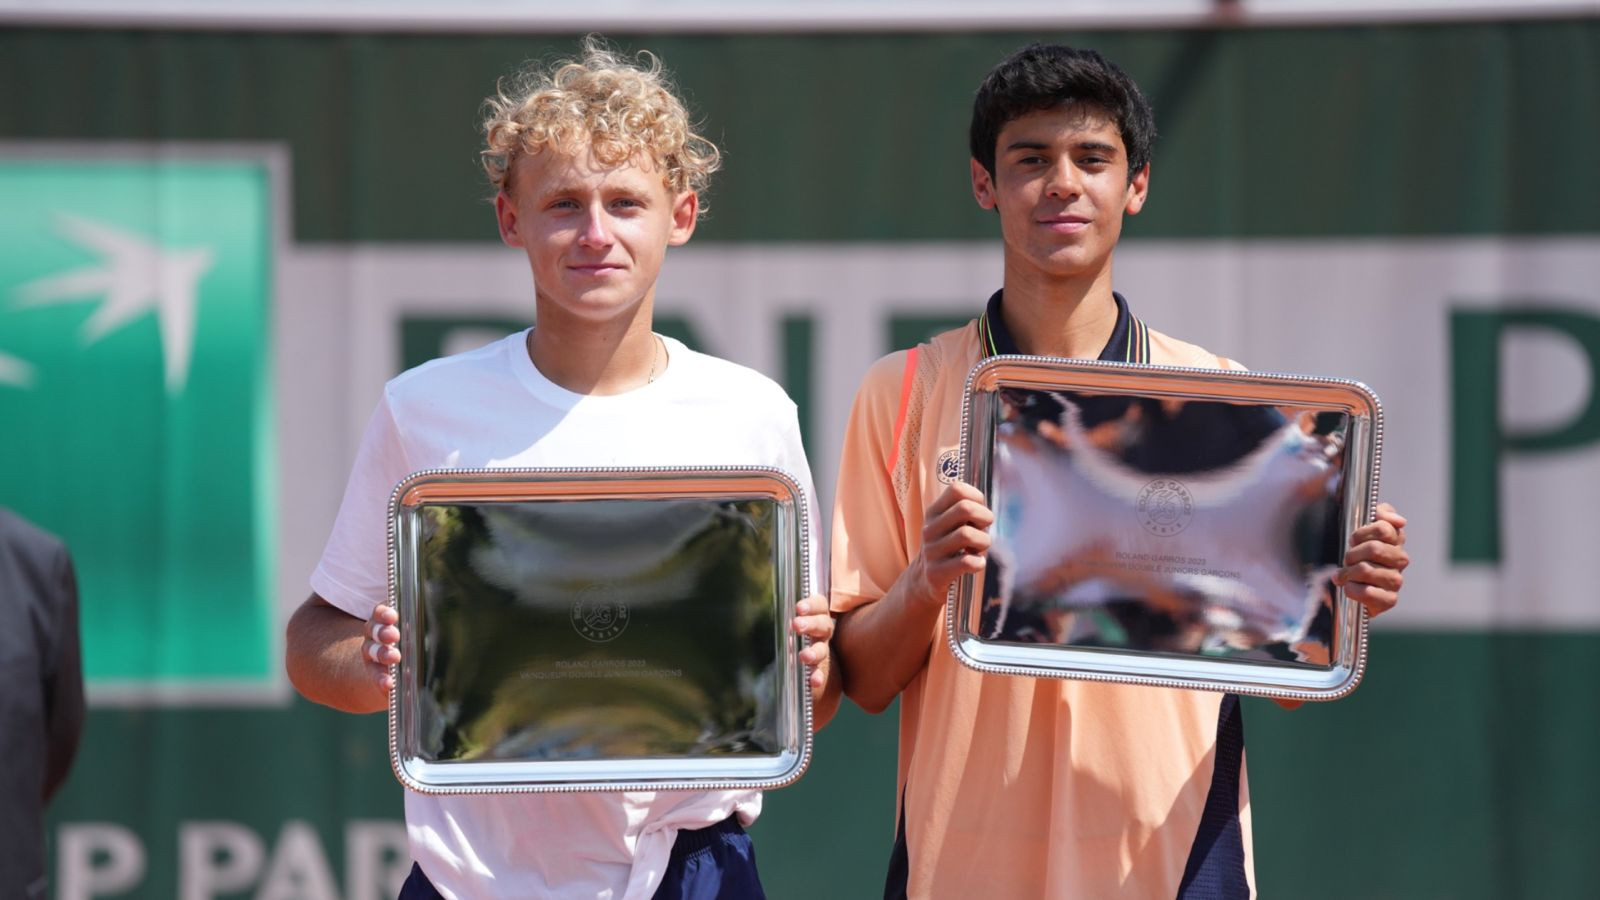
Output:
x=882 y=646
x=324 y=661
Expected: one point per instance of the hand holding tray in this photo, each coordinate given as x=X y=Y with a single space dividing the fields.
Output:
x=598 y=629
x=1167 y=526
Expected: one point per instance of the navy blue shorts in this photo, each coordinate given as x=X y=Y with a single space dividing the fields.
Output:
x=717 y=862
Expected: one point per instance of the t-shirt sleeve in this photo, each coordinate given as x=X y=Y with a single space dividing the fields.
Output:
x=353 y=573
x=792 y=459
x=869 y=546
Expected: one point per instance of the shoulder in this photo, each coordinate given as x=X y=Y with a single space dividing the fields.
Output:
x=33 y=563
x=702 y=372
x=457 y=371
x=896 y=374
x=957 y=348
x=1166 y=350
x=20 y=536
x=886 y=375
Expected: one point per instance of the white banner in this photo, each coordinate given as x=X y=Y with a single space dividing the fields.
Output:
x=1407 y=317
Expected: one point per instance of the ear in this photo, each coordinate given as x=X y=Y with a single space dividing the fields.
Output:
x=505 y=215
x=1138 y=190
x=982 y=186
x=685 y=212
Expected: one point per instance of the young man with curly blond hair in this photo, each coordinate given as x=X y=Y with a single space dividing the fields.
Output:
x=597 y=171
x=1036 y=787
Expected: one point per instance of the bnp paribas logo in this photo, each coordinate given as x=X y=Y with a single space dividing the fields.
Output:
x=132 y=276
x=135 y=288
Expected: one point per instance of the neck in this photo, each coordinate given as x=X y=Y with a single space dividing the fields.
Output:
x=589 y=357
x=1071 y=317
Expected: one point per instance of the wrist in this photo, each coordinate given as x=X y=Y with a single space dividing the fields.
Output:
x=923 y=592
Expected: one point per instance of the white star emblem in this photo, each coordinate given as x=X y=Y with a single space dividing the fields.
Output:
x=136 y=276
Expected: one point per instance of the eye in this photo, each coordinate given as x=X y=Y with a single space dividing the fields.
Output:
x=563 y=204
x=627 y=203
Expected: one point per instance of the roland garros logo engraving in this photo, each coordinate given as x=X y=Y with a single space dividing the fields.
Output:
x=1165 y=507
x=949 y=466
x=598 y=615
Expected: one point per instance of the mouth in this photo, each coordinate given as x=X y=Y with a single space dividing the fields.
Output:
x=1065 y=224
x=595 y=268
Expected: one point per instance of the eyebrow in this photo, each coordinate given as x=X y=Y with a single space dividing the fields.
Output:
x=1100 y=146
x=570 y=188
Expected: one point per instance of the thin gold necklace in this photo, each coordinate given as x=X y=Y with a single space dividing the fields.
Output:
x=655 y=349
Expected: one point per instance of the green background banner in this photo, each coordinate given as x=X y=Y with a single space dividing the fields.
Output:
x=1462 y=768
x=143 y=446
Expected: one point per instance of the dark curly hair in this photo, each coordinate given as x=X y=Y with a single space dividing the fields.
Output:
x=1046 y=76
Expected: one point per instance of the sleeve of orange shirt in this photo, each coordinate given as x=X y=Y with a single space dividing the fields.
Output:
x=869 y=544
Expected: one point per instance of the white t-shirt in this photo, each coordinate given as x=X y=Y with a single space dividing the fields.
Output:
x=491 y=408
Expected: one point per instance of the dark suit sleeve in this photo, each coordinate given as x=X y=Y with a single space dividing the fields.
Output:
x=63 y=685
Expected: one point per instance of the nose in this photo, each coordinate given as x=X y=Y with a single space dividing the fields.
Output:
x=596 y=229
x=1063 y=183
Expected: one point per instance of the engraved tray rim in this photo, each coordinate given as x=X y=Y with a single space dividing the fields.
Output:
x=516 y=777
x=1249 y=677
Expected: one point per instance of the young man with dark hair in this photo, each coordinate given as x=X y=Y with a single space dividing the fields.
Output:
x=1021 y=787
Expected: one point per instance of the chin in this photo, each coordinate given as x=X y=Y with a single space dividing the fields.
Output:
x=1055 y=268
x=601 y=308
x=1071 y=263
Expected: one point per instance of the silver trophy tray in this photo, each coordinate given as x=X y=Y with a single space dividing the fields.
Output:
x=1167 y=526
x=598 y=630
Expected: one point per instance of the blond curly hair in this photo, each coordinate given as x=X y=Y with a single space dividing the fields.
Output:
x=619 y=108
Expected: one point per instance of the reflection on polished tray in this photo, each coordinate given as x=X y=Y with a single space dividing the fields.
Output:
x=599 y=629
x=1167 y=526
